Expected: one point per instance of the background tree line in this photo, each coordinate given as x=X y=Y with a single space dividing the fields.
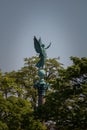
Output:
x=66 y=101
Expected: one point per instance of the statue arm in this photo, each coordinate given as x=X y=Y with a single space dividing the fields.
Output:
x=48 y=46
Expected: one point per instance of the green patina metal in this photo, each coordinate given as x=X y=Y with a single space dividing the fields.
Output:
x=41 y=49
x=41 y=85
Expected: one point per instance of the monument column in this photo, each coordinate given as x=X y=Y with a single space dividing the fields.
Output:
x=41 y=85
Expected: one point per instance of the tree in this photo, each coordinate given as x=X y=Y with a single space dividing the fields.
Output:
x=18 y=97
x=67 y=105
x=7 y=84
x=17 y=114
x=28 y=75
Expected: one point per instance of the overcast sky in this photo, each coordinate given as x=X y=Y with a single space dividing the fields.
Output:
x=62 y=22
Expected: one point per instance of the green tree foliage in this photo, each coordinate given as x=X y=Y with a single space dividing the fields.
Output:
x=17 y=114
x=16 y=99
x=28 y=74
x=7 y=84
x=67 y=105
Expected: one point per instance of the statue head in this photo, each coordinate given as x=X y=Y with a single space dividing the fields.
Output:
x=43 y=45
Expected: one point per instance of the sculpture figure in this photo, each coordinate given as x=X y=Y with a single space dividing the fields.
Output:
x=41 y=49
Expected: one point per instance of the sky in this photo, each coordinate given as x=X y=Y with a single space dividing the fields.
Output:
x=61 y=22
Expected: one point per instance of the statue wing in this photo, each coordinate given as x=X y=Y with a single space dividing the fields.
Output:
x=37 y=45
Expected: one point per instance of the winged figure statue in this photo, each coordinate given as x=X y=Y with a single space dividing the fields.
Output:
x=41 y=49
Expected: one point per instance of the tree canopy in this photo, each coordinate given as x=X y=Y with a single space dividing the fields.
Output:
x=66 y=101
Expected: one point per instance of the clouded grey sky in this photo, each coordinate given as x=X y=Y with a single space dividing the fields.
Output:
x=62 y=22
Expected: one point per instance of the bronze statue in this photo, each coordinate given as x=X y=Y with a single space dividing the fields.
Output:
x=41 y=85
x=41 y=49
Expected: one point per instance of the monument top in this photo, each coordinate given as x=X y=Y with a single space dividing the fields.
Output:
x=41 y=49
